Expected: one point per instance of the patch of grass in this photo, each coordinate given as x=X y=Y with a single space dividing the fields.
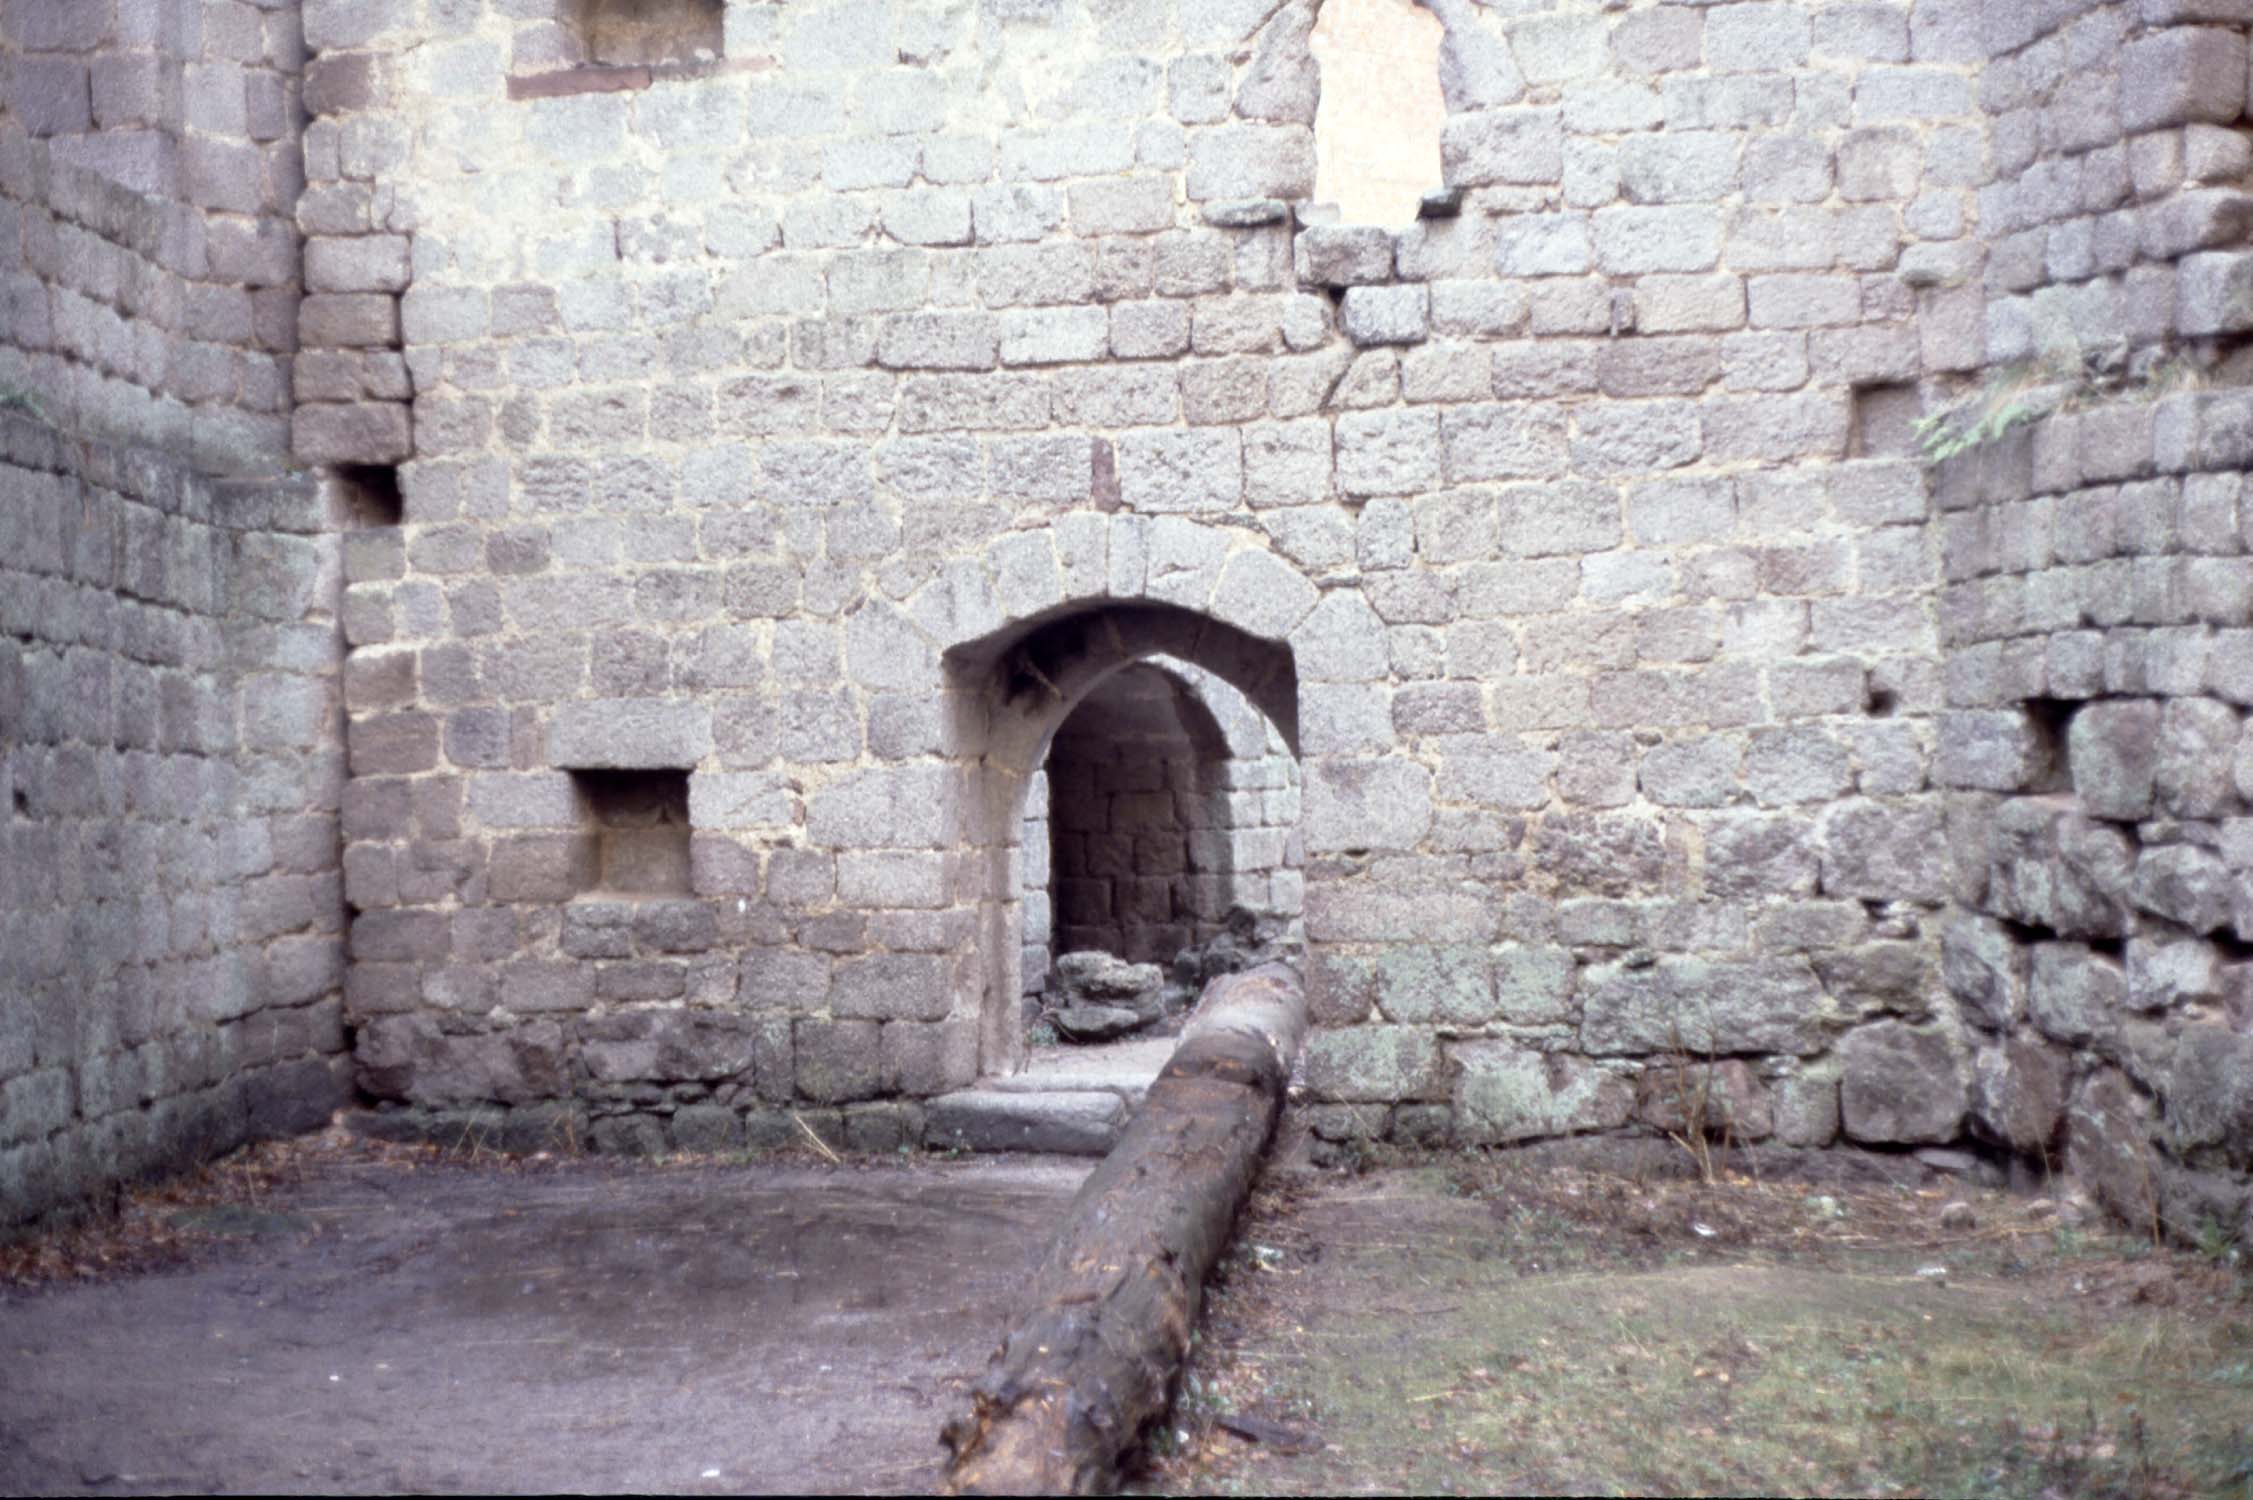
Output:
x=1568 y=1334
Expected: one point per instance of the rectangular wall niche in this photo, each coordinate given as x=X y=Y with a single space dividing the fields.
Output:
x=371 y=495
x=640 y=821
x=638 y=33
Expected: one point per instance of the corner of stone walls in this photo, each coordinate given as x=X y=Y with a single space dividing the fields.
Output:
x=353 y=391
x=171 y=915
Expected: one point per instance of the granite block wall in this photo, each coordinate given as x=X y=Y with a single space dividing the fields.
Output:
x=171 y=907
x=815 y=419
x=2117 y=212
x=798 y=411
x=149 y=171
x=171 y=913
x=2098 y=598
x=2093 y=614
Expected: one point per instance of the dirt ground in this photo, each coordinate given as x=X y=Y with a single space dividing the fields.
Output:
x=352 y=1318
x=1522 y=1325
x=339 y=1316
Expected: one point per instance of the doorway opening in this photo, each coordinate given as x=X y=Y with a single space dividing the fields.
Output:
x=1167 y=810
x=1135 y=789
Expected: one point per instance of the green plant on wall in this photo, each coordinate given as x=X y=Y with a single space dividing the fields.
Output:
x=13 y=398
x=1945 y=434
x=2016 y=396
x=2020 y=394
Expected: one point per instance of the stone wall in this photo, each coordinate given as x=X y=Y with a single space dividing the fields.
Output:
x=801 y=410
x=806 y=418
x=2097 y=609
x=2096 y=591
x=171 y=918
x=171 y=911
x=2116 y=217
x=149 y=169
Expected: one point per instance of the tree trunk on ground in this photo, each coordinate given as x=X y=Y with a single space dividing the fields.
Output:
x=1089 y=1362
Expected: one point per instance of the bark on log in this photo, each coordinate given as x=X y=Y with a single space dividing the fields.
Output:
x=1089 y=1362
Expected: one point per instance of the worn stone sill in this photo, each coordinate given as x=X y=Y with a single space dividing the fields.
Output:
x=608 y=78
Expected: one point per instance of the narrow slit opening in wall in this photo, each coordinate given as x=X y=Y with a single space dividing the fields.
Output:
x=372 y=496
x=643 y=33
x=1378 y=118
x=640 y=823
x=2048 y=719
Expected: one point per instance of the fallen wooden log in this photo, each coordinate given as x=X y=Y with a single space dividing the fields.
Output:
x=1089 y=1361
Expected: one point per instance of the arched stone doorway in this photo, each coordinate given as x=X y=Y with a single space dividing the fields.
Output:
x=1012 y=693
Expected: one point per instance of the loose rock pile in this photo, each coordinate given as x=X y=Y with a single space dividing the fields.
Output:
x=1097 y=997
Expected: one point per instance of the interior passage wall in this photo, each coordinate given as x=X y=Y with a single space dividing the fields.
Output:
x=149 y=180
x=1157 y=829
x=171 y=918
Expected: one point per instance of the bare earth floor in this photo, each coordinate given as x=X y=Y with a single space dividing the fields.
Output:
x=388 y=1321
x=336 y=1316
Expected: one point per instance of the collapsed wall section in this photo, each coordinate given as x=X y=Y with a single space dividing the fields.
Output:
x=171 y=923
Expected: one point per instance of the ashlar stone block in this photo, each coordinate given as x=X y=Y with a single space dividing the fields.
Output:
x=1386 y=314
x=629 y=734
x=2180 y=74
x=1342 y=255
x=1504 y=1092
x=1366 y=804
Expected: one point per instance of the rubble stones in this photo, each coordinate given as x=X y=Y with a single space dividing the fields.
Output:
x=1096 y=997
x=1101 y=978
x=1096 y=1023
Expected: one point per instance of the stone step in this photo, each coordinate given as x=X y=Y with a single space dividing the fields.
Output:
x=1122 y=1068
x=1080 y=1122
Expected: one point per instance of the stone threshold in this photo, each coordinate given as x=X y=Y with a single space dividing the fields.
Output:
x=1067 y=1101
